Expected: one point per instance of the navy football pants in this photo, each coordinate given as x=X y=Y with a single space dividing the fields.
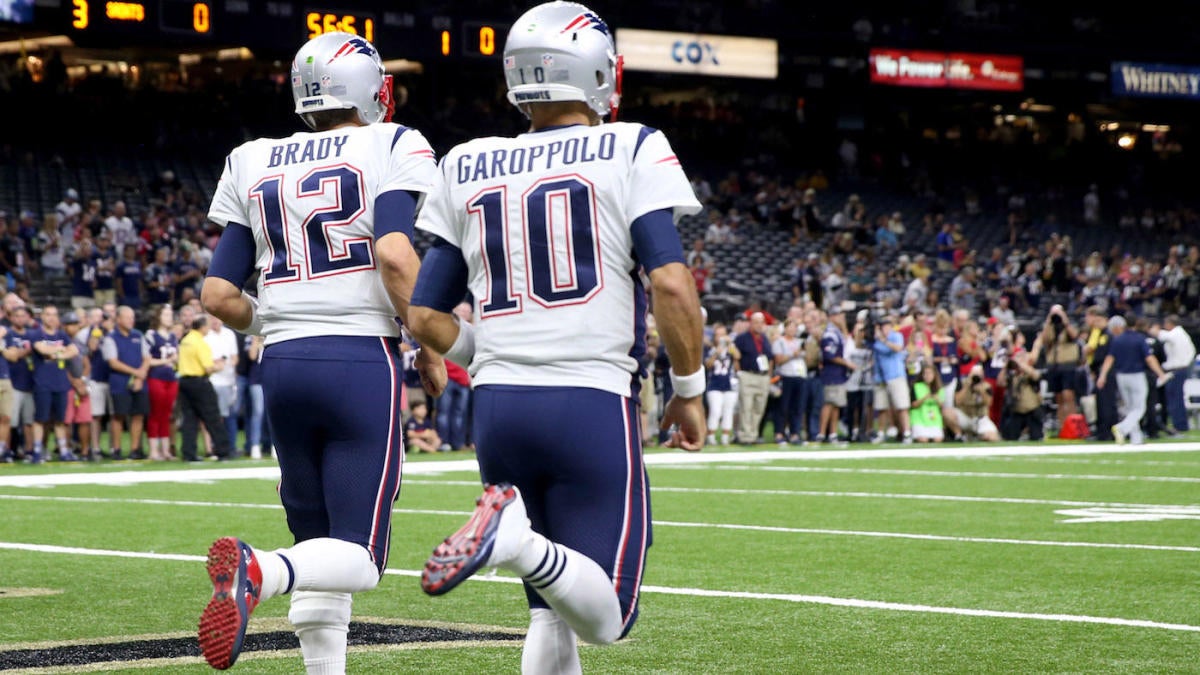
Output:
x=334 y=408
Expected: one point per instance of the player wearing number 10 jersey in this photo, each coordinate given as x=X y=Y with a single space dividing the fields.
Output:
x=548 y=232
x=325 y=218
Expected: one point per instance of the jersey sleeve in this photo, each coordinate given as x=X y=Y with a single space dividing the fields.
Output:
x=411 y=164
x=226 y=205
x=437 y=216
x=657 y=180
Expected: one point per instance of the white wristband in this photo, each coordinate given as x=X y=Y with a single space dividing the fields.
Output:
x=688 y=386
x=256 y=325
x=463 y=349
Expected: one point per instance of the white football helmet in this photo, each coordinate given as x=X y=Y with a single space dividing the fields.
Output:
x=562 y=51
x=337 y=71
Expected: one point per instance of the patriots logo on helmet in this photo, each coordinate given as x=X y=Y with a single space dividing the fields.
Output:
x=354 y=45
x=586 y=20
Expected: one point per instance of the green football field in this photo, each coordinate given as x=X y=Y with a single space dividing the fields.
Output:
x=1038 y=558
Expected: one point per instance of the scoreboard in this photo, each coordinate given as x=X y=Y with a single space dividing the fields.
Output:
x=273 y=27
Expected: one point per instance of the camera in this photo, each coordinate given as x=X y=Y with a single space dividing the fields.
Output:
x=975 y=380
x=1056 y=320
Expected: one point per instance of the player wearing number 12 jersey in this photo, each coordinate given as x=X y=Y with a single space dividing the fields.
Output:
x=548 y=232
x=325 y=218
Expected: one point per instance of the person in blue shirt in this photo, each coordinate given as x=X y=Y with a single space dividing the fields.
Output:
x=158 y=279
x=6 y=402
x=835 y=371
x=892 y=399
x=52 y=348
x=18 y=351
x=1129 y=355
x=129 y=278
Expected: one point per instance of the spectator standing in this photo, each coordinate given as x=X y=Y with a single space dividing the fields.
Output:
x=455 y=401
x=963 y=290
x=78 y=417
x=223 y=342
x=104 y=260
x=97 y=326
x=128 y=359
x=52 y=348
x=157 y=279
x=18 y=351
x=1128 y=356
x=1180 y=359
x=892 y=398
x=719 y=359
x=788 y=352
x=162 y=381
x=254 y=401
x=814 y=389
x=754 y=377
x=835 y=371
x=82 y=270
x=860 y=387
x=6 y=399
x=50 y=246
x=129 y=278
x=1096 y=349
x=197 y=398
x=120 y=226
x=69 y=209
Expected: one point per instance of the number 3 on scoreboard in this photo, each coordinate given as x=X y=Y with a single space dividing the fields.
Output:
x=79 y=14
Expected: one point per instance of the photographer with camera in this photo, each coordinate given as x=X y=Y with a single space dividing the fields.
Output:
x=1023 y=400
x=1059 y=344
x=971 y=404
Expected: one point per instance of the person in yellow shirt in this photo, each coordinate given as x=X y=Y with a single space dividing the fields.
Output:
x=197 y=399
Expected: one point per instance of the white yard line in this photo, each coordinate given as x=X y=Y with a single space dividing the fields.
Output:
x=271 y=472
x=962 y=474
x=668 y=523
x=697 y=592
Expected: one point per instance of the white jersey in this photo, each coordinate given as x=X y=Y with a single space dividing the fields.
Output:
x=309 y=199
x=543 y=221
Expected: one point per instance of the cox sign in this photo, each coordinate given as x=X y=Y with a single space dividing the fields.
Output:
x=694 y=52
x=698 y=54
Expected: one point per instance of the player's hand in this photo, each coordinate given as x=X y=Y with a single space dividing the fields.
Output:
x=685 y=417
x=432 y=369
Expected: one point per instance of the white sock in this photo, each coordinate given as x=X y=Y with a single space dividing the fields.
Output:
x=550 y=647
x=322 y=621
x=328 y=564
x=573 y=585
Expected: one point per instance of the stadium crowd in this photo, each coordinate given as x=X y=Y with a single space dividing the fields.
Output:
x=865 y=345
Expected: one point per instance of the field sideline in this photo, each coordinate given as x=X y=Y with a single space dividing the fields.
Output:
x=1053 y=557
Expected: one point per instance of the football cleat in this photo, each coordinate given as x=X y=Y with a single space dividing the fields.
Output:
x=474 y=545
x=237 y=585
x=1118 y=435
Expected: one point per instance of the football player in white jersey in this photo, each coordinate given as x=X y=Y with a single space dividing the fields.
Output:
x=326 y=219
x=547 y=233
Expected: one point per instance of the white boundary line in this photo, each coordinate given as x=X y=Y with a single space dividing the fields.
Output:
x=135 y=476
x=668 y=523
x=696 y=592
